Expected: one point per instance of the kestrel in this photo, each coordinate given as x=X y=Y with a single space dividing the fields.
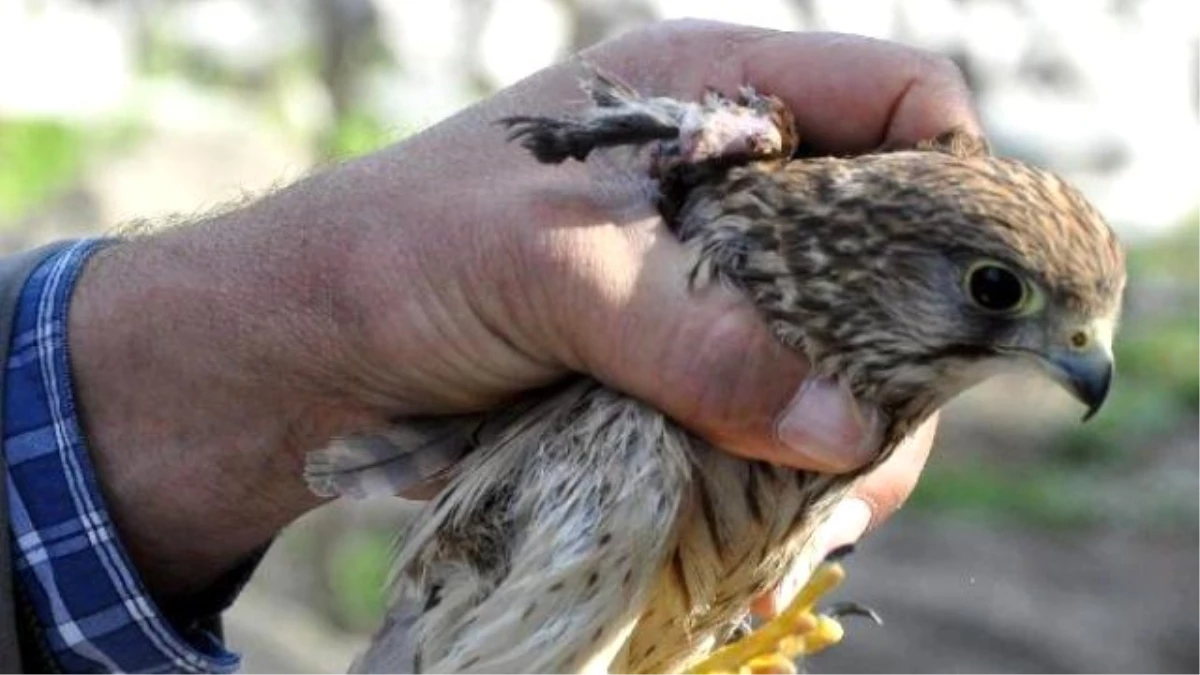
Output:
x=587 y=531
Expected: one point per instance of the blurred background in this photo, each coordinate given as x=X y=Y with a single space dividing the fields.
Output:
x=1033 y=544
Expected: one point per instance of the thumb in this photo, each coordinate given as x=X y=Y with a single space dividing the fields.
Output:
x=706 y=357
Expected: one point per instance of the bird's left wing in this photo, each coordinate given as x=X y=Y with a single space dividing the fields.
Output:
x=413 y=452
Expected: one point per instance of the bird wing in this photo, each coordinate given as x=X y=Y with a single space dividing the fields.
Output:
x=411 y=452
x=391 y=461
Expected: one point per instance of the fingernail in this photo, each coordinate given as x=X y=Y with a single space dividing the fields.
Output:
x=825 y=425
x=845 y=525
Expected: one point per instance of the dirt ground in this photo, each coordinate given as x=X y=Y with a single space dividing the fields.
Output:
x=955 y=596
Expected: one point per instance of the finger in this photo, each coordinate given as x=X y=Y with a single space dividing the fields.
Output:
x=888 y=486
x=850 y=94
x=879 y=493
x=873 y=499
x=854 y=94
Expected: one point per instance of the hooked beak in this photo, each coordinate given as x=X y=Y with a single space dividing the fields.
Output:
x=1087 y=375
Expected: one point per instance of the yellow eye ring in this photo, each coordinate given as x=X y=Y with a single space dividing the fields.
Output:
x=993 y=287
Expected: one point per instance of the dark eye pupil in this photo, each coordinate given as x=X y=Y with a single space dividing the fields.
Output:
x=996 y=288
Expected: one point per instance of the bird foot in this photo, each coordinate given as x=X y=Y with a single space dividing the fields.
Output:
x=797 y=631
x=747 y=128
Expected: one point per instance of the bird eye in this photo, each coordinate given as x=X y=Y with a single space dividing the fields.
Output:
x=995 y=287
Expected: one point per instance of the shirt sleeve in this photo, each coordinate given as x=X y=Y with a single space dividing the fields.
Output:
x=93 y=613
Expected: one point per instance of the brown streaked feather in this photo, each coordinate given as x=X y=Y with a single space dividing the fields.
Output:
x=591 y=531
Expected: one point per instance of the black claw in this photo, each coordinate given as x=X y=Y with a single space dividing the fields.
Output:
x=740 y=632
x=839 y=553
x=841 y=609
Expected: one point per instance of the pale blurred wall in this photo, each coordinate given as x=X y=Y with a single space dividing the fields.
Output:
x=1102 y=90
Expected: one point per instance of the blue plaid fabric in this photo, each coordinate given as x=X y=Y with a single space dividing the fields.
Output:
x=94 y=612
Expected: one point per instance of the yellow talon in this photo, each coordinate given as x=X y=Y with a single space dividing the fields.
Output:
x=795 y=632
x=828 y=633
x=771 y=663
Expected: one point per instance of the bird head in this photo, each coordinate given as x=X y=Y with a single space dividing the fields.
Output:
x=911 y=276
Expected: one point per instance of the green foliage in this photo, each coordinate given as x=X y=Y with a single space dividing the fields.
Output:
x=37 y=159
x=1137 y=415
x=357 y=133
x=1031 y=494
x=1054 y=496
x=1164 y=353
x=1159 y=348
x=1173 y=257
x=358 y=568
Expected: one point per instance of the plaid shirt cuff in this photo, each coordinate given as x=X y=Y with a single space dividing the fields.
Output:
x=93 y=611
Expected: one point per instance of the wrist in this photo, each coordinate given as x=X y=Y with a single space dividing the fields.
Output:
x=195 y=421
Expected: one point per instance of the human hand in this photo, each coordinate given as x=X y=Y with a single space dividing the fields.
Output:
x=618 y=306
x=449 y=273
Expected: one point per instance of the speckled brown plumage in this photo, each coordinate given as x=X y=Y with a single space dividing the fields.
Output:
x=587 y=531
